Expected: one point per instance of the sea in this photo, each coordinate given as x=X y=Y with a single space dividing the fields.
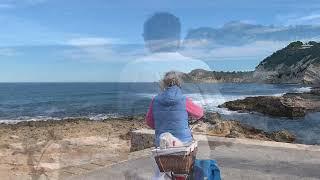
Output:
x=98 y=101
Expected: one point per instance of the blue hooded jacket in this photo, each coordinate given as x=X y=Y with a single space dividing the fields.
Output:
x=170 y=114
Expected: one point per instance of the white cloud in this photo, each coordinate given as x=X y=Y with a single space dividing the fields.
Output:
x=35 y=1
x=238 y=40
x=19 y=31
x=257 y=49
x=9 y=4
x=8 y=52
x=300 y=19
x=100 y=49
x=103 y=53
x=92 y=41
x=310 y=17
x=6 y=6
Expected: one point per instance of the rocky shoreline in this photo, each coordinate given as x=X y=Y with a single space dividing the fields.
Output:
x=289 y=105
x=58 y=149
x=213 y=124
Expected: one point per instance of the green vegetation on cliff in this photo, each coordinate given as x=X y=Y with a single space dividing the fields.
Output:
x=199 y=75
x=296 y=63
x=294 y=53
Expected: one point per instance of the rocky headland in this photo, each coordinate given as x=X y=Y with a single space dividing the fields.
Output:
x=288 y=105
x=203 y=76
x=297 y=63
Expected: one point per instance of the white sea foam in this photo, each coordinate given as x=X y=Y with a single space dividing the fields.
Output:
x=303 y=89
x=52 y=110
x=97 y=117
x=212 y=99
x=27 y=119
x=147 y=95
x=278 y=94
x=100 y=117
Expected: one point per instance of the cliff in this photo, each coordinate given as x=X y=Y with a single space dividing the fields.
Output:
x=296 y=63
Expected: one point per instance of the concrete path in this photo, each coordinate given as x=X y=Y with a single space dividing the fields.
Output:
x=237 y=158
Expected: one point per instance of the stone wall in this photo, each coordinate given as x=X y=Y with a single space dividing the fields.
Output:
x=142 y=139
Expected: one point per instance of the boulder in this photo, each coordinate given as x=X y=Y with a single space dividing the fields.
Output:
x=270 y=105
x=142 y=139
x=212 y=118
x=283 y=136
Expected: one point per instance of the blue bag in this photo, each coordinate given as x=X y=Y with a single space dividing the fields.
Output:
x=206 y=169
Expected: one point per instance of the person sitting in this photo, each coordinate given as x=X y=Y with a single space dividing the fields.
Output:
x=169 y=110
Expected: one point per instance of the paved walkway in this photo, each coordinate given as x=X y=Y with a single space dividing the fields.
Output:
x=237 y=158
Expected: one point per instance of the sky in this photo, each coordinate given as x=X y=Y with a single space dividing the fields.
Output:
x=91 y=41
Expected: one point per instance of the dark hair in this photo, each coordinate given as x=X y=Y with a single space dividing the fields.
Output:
x=162 y=25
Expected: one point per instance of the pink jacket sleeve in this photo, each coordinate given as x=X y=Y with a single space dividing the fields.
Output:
x=194 y=110
x=149 y=116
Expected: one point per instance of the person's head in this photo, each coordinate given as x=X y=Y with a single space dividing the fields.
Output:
x=171 y=78
x=161 y=32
